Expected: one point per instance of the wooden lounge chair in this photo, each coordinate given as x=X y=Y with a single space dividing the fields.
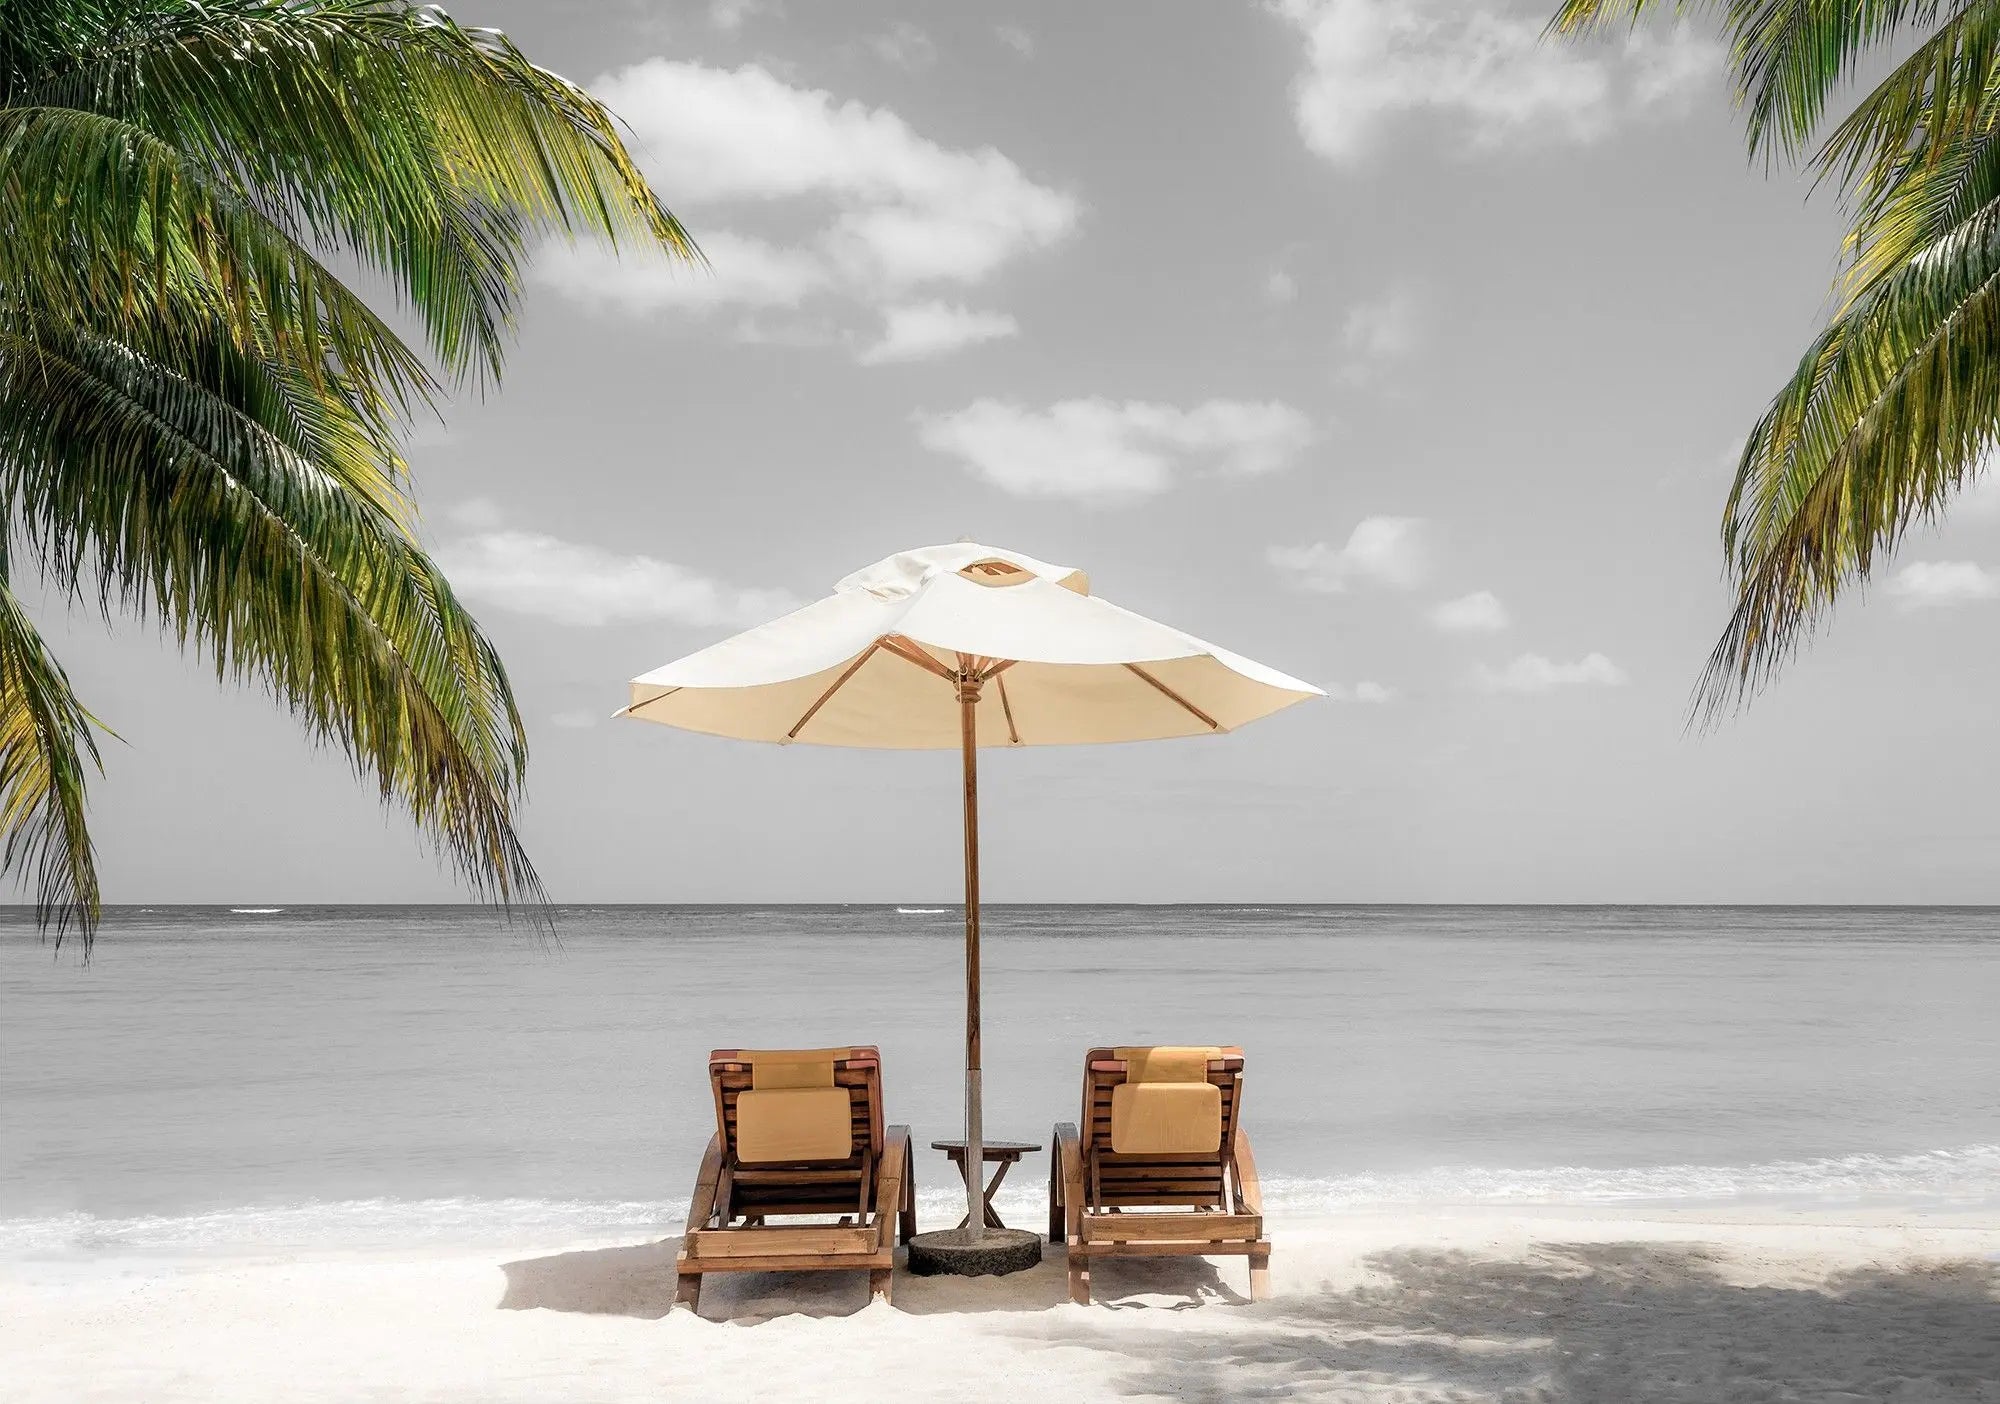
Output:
x=1161 y=1167
x=799 y=1133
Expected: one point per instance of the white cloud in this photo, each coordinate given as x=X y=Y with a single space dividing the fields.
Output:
x=743 y=271
x=1666 y=70
x=1103 y=449
x=1533 y=673
x=1936 y=584
x=572 y=583
x=729 y=15
x=1477 y=613
x=1388 y=326
x=1280 y=287
x=920 y=330
x=1015 y=38
x=581 y=719
x=905 y=46
x=1388 y=551
x=847 y=200
x=1483 y=66
x=1370 y=692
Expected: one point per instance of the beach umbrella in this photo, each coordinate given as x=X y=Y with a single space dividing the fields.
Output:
x=962 y=646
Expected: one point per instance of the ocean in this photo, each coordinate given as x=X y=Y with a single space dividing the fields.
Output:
x=259 y=1081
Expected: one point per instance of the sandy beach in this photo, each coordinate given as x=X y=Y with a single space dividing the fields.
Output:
x=1467 y=1305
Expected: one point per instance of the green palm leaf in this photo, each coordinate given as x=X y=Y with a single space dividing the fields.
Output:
x=171 y=504
x=1890 y=412
x=198 y=418
x=142 y=241
x=46 y=752
x=434 y=152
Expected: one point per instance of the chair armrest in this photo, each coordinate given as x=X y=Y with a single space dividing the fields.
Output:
x=701 y=1205
x=1067 y=1154
x=889 y=1180
x=1249 y=1193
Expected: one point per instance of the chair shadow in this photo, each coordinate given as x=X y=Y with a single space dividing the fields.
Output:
x=1643 y=1323
x=628 y=1281
x=639 y=1281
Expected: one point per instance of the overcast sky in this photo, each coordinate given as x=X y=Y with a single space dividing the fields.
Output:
x=1370 y=338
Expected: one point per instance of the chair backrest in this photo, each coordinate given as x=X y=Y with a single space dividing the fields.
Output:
x=800 y=1106
x=1158 y=1123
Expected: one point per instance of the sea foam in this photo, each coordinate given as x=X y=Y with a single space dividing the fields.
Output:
x=1967 y=1177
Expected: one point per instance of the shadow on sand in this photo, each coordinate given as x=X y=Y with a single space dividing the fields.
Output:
x=635 y=1281
x=639 y=1281
x=1616 y=1322
x=1627 y=1322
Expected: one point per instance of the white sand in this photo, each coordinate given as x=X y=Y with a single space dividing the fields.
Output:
x=1472 y=1305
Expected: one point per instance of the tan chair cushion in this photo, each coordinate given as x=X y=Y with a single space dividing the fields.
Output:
x=776 y=1125
x=1166 y=1064
x=776 y=1068
x=1166 y=1118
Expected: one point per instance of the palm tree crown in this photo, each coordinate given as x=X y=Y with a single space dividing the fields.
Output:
x=1895 y=405
x=199 y=418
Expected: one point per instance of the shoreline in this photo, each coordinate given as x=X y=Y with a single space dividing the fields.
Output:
x=103 y=1255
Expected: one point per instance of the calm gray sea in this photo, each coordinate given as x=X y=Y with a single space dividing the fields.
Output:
x=219 y=1080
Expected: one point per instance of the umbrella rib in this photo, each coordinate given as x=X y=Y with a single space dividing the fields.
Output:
x=1006 y=707
x=1211 y=722
x=910 y=653
x=838 y=683
x=633 y=710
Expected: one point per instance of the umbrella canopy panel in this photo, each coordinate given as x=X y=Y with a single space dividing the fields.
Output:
x=872 y=665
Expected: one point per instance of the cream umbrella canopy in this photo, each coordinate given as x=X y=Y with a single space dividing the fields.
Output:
x=962 y=646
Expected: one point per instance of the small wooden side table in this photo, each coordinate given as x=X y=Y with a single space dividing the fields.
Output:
x=1005 y=1154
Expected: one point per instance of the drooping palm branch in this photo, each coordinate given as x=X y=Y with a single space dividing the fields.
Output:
x=1896 y=405
x=199 y=418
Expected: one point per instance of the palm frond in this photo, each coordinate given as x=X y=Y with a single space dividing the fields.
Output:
x=1576 y=17
x=185 y=508
x=1919 y=205
x=198 y=418
x=435 y=153
x=143 y=241
x=1788 y=56
x=1924 y=115
x=1889 y=413
x=46 y=753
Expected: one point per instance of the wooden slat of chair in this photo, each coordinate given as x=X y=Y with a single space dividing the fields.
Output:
x=1192 y=1227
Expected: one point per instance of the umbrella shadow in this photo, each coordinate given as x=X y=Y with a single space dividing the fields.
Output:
x=1150 y=1283
x=1629 y=1322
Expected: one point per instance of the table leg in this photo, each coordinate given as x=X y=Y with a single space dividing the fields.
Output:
x=992 y=1188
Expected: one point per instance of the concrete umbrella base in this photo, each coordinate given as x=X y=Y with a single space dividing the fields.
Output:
x=952 y=1251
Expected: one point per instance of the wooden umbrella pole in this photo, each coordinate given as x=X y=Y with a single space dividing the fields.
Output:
x=975 y=1146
